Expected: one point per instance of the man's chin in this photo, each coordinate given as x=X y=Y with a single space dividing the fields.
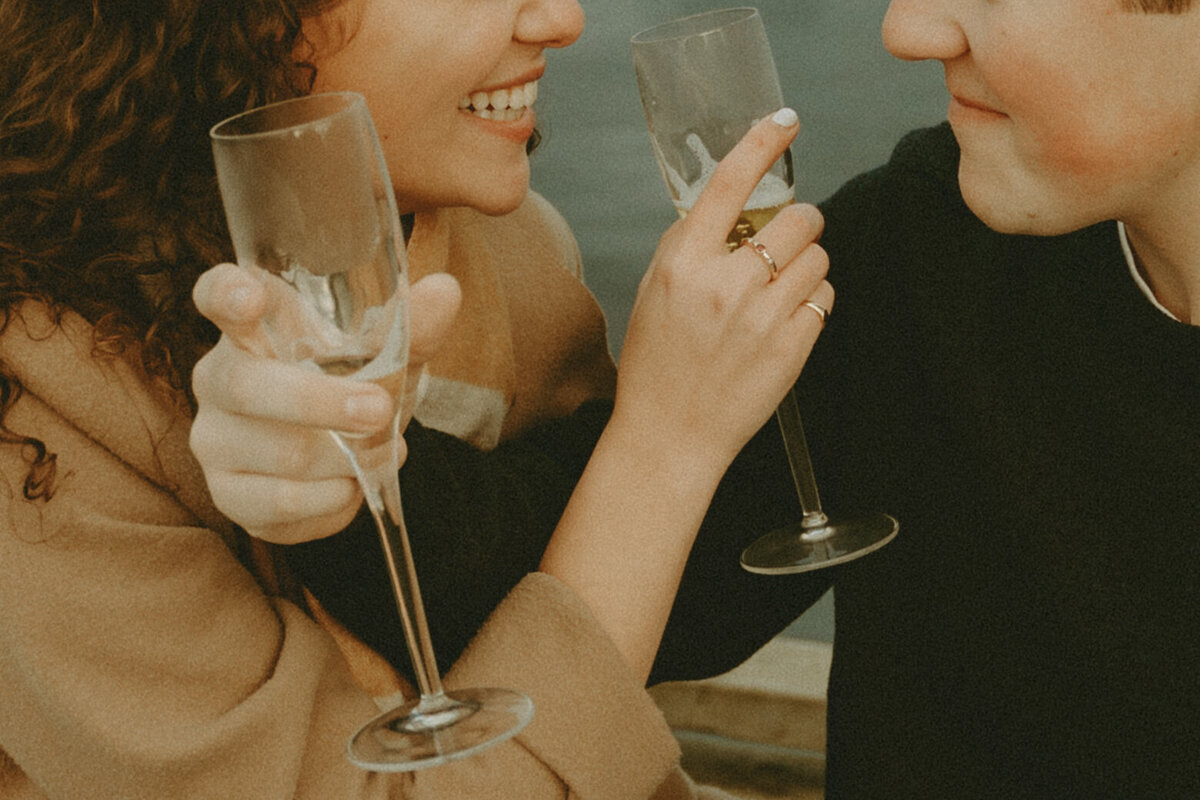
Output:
x=1006 y=212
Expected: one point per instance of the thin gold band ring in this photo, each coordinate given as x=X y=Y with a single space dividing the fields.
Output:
x=821 y=310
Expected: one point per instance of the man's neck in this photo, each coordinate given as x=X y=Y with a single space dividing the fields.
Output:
x=1168 y=258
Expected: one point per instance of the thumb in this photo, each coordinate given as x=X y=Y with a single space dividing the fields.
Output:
x=435 y=300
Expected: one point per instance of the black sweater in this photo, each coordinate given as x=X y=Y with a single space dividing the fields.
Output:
x=1034 y=423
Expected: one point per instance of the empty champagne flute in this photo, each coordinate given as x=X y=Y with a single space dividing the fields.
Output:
x=704 y=80
x=312 y=217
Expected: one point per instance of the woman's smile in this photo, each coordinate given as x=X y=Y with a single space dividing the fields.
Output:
x=506 y=105
x=455 y=130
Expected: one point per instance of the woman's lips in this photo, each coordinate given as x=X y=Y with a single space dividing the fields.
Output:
x=506 y=112
x=517 y=130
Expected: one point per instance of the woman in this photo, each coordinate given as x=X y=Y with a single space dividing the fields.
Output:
x=148 y=649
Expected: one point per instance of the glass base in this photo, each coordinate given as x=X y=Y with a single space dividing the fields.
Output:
x=801 y=548
x=436 y=730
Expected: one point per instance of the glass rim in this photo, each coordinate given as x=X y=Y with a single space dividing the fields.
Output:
x=353 y=99
x=662 y=31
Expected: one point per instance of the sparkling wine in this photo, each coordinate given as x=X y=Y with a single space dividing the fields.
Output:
x=749 y=222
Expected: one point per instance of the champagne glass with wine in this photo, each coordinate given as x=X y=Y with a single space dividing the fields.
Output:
x=313 y=217
x=704 y=80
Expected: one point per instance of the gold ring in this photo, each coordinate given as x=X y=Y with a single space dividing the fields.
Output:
x=761 y=251
x=821 y=310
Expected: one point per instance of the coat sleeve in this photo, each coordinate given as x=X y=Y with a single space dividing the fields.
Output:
x=144 y=663
x=479 y=522
x=595 y=729
x=140 y=659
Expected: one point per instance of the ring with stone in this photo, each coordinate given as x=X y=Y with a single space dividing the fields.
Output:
x=761 y=251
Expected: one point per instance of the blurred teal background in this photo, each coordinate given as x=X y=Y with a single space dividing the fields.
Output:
x=595 y=164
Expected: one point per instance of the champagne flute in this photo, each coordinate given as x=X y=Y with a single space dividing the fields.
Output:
x=704 y=80
x=312 y=216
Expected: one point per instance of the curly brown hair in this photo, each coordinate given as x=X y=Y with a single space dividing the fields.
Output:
x=108 y=198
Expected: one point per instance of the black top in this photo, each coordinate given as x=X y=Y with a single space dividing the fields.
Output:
x=1034 y=423
x=478 y=522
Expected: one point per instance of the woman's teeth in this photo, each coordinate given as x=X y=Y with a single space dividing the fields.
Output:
x=502 y=104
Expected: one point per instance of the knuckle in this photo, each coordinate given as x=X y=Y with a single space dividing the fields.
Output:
x=818 y=260
x=812 y=216
x=813 y=265
x=217 y=372
x=666 y=275
x=806 y=217
x=316 y=526
x=718 y=304
x=295 y=455
x=281 y=502
x=755 y=327
x=349 y=497
x=225 y=490
x=241 y=386
x=200 y=438
x=203 y=290
x=673 y=233
x=202 y=376
x=211 y=287
x=297 y=503
x=724 y=179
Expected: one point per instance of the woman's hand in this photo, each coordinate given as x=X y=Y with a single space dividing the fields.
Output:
x=713 y=345
x=261 y=432
x=715 y=341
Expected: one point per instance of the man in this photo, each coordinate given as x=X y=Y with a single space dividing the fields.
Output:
x=1016 y=377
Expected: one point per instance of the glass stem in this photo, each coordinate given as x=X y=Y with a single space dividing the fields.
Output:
x=381 y=488
x=790 y=425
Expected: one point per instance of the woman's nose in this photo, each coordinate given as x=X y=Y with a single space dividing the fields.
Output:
x=550 y=23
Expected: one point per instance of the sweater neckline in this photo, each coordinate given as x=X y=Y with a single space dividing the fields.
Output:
x=1131 y=262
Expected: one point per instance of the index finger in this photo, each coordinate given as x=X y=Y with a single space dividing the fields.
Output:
x=734 y=179
x=240 y=383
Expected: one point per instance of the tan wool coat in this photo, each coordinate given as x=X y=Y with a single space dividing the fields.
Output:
x=142 y=659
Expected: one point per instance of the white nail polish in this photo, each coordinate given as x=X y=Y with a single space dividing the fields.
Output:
x=785 y=118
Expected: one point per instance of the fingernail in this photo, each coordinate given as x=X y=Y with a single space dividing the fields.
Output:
x=785 y=118
x=368 y=410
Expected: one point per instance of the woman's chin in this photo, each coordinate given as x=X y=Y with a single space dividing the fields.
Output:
x=497 y=204
x=495 y=197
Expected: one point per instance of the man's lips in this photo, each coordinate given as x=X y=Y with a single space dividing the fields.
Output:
x=975 y=105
